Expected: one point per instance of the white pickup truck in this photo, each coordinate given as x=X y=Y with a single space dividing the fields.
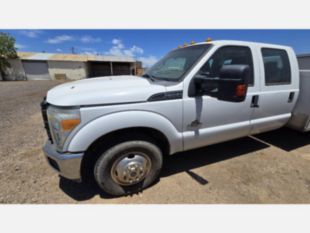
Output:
x=118 y=129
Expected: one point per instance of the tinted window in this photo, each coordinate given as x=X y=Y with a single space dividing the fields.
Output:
x=228 y=55
x=277 y=67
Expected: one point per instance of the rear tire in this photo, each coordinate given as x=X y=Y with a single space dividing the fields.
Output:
x=128 y=167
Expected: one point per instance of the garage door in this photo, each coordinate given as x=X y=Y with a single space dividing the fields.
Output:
x=98 y=69
x=121 y=68
x=36 y=70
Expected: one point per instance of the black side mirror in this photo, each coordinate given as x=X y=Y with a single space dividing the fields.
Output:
x=231 y=85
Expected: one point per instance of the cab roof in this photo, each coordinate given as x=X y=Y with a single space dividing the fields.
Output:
x=241 y=43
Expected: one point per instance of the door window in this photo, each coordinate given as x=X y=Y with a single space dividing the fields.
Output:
x=228 y=55
x=277 y=66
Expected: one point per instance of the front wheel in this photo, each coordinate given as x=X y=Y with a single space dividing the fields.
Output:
x=128 y=167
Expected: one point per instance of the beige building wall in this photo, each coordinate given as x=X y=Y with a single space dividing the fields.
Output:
x=16 y=71
x=73 y=70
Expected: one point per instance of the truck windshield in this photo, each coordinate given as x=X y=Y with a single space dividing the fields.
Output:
x=175 y=64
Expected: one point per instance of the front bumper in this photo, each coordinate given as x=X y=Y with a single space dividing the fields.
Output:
x=67 y=165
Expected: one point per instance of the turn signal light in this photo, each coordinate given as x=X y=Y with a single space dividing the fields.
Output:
x=241 y=90
x=69 y=124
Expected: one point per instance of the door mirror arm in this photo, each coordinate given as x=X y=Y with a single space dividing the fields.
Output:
x=205 y=85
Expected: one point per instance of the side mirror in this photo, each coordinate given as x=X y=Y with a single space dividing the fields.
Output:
x=231 y=86
x=233 y=83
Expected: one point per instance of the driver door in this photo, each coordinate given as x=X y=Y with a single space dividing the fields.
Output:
x=208 y=120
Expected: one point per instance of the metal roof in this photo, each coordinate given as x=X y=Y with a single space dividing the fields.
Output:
x=68 y=57
x=111 y=58
x=72 y=57
x=38 y=56
x=23 y=55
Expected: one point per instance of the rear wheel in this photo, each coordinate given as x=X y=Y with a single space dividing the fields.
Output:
x=128 y=167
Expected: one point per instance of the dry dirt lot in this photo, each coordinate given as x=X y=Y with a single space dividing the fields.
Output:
x=269 y=168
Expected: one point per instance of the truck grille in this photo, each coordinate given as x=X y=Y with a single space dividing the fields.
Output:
x=44 y=106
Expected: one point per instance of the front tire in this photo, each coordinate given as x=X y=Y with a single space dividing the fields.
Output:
x=128 y=167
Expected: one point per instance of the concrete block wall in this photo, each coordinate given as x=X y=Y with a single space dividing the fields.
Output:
x=16 y=71
x=73 y=70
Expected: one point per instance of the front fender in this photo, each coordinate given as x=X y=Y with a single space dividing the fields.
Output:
x=121 y=120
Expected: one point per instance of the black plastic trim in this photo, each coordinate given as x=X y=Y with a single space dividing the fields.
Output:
x=44 y=106
x=171 y=95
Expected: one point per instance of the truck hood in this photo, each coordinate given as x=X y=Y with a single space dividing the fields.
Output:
x=103 y=90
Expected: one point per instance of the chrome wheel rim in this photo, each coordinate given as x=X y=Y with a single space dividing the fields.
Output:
x=131 y=168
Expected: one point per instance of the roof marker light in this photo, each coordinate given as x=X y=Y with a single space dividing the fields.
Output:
x=209 y=39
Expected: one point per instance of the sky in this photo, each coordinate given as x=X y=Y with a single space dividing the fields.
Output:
x=145 y=45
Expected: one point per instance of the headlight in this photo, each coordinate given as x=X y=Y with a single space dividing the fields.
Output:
x=62 y=122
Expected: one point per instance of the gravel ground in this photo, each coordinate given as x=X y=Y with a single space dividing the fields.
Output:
x=269 y=168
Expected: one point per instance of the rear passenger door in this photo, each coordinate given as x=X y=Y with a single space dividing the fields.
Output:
x=278 y=89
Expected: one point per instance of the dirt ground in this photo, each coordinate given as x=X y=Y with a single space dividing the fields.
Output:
x=272 y=167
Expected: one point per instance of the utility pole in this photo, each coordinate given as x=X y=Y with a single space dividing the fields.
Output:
x=73 y=50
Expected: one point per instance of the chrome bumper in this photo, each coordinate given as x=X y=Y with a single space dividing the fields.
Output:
x=67 y=165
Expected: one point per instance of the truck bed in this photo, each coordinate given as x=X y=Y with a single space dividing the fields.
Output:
x=301 y=114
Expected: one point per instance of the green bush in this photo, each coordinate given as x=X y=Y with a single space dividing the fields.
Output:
x=7 y=51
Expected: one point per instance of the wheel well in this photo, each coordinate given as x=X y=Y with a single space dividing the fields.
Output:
x=112 y=138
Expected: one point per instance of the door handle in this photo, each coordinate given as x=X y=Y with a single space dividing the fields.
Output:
x=254 y=102
x=291 y=97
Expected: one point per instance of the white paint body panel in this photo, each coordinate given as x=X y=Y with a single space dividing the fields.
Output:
x=104 y=90
x=122 y=120
x=274 y=109
x=113 y=103
x=221 y=121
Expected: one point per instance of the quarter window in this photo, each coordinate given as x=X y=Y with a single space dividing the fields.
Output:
x=277 y=66
x=228 y=55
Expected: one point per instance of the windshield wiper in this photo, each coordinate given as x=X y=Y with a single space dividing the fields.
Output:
x=166 y=79
x=154 y=78
x=151 y=77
